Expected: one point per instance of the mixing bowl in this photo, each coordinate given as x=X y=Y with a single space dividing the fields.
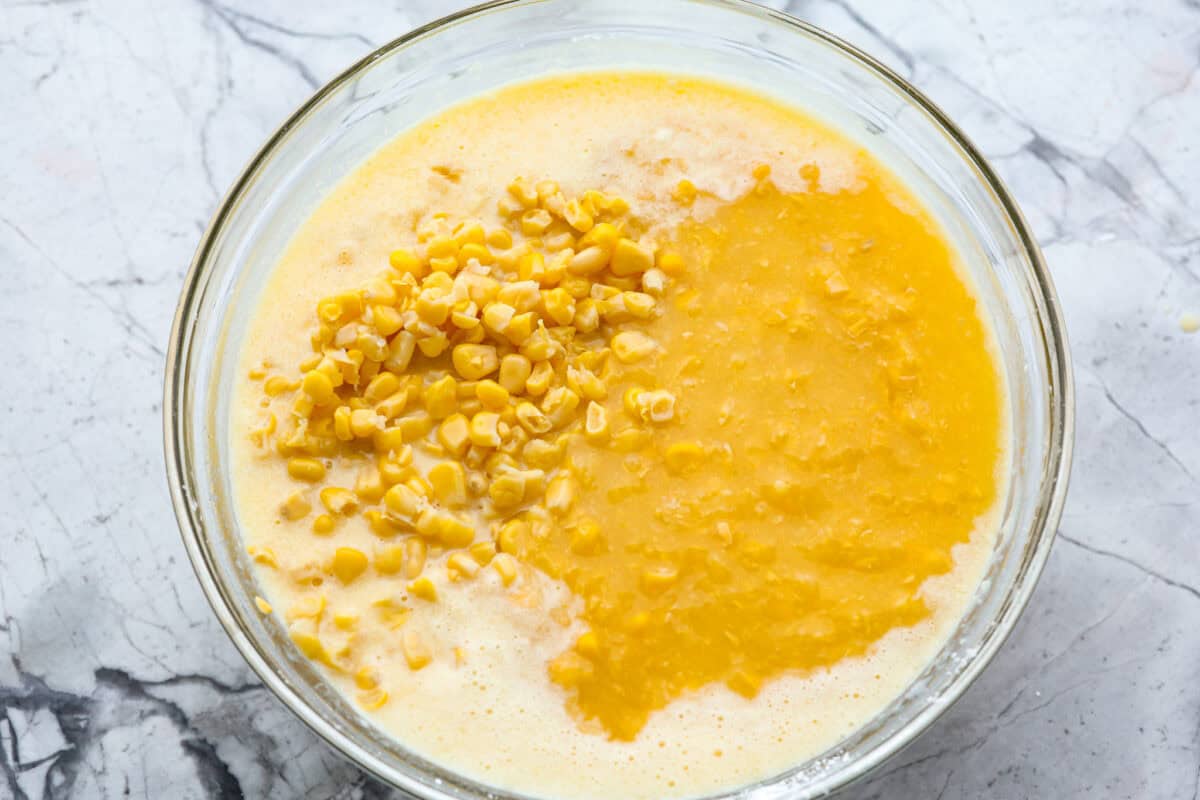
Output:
x=491 y=45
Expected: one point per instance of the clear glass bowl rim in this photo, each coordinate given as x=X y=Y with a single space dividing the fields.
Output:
x=1054 y=481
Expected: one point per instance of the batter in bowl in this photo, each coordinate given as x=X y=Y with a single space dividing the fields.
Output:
x=619 y=435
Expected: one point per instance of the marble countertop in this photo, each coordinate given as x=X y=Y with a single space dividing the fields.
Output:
x=124 y=122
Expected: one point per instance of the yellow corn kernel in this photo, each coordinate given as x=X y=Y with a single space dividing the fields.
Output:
x=295 y=507
x=454 y=435
x=595 y=425
x=364 y=422
x=389 y=560
x=413 y=427
x=511 y=535
x=585 y=537
x=587 y=316
x=484 y=429
x=324 y=525
x=585 y=382
x=405 y=262
x=683 y=457
x=670 y=262
x=524 y=192
x=264 y=556
x=475 y=361
x=309 y=645
x=381 y=387
x=433 y=345
x=366 y=679
x=639 y=304
x=262 y=605
x=341 y=424
x=632 y=346
x=415 y=552
x=369 y=484
x=492 y=395
x=684 y=193
x=659 y=578
x=387 y=320
x=372 y=699
x=277 y=385
x=497 y=317
x=483 y=553
x=535 y=221
x=631 y=440
x=441 y=397
x=559 y=405
x=446 y=528
x=400 y=352
x=588 y=644
x=532 y=419
x=441 y=247
x=402 y=501
x=657 y=406
x=514 y=371
x=460 y=565
x=520 y=327
x=424 y=589
x=318 y=387
x=416 y=651
x=306 y=469
x=310 y=606
x=605 y=235
x=539 y=379
x=630 y=258
x=499 y=238
x=449 y=483
x=507 y=491
x=380 y=524
x=471 y=250
x=506 y=567
x=338 y=500
x=539 y=346
x=542 y=454
x=348 y=564
x=588 y=261
x=560 y=494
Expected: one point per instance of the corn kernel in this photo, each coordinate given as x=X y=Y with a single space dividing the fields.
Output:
x=319 y=387
x=453 y=435
x=683 y=457
x=277 y=385
x=492 y=395
x=560 y=494
x=499 y=238
x=514 y=371
x=405 y=262
x=416 y=651
x=389 y=560
x=585 y=537
x=338 y=500
x=400 y=352
x=588 y=644
x=484 y=430
x=262 y=605
x=483 y=552
x=524 y=192
x=588 y=261
x=539 y=379
x=475 y=251
x=380 y=524
x=630 y=258
x=511 y=535
x=449 y=483
x=306 y=469
x=670 y=262
x=506 y=567
x=605 y=235
x=309 y=645
x=535 y=221
x=632 y=346
x=295 y=507
x=402 y=501
x=460 y=565
x=659 y=578
x=348 y=564
x=424 y=589
x=324 y=525
x=415 y=552
x=595 y=425
x=475 y=361
x=532 y=419
x=507 y=491
x=441 y=397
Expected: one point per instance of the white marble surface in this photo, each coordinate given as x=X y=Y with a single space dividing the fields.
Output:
x=124 y=120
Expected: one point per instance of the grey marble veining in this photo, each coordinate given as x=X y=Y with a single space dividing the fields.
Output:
x=125 y=120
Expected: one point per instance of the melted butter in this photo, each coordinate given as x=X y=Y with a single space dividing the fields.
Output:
x=836 y=435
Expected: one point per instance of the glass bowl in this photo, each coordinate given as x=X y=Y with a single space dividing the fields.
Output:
x=499 y=43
